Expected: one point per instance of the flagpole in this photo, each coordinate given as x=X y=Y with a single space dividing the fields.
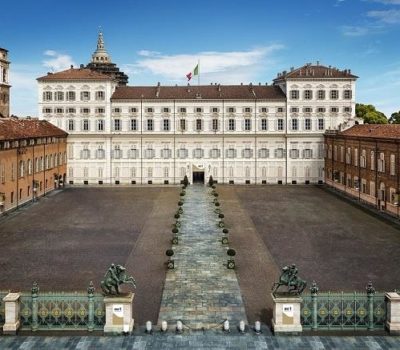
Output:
x=198 y=76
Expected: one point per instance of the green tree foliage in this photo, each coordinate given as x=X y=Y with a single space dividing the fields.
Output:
x=395 y=118
x=370 y=115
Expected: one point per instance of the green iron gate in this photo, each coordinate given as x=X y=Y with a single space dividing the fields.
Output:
x=343 y=310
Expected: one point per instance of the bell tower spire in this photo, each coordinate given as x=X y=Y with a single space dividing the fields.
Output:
x=101 y=55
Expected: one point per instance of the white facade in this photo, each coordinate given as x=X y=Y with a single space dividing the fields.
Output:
x=236 y=140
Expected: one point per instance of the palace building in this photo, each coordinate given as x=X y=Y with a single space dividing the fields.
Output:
x=363 y=161
x=257 y=134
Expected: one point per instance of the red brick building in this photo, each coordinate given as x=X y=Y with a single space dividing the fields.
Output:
x=363 y=161
x=32 y=160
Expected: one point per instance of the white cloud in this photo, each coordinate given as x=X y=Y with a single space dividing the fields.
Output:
x=57 y=61
x=148 y=53
x=354 y=30
x=386 y=16
x=388 y=2
x=223 y=67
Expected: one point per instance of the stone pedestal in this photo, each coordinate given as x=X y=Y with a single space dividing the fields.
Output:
x=393 y=313
x=11 y=306
x=286 y=314
x=119 y=314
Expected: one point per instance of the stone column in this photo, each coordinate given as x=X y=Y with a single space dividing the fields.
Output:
x=393 y=312
x=11 y=325
x=286 y=314
x=119 y=314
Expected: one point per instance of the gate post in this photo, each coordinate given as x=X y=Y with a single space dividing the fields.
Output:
x=35 y=291
x=314 y=297
x=90 y=291
x=370 y=295
x=393 y=312
x=11 y=313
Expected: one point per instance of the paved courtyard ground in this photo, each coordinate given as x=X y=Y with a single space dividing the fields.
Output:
x=70 y=238
x=336 y=244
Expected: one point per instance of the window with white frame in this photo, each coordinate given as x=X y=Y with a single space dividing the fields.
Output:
x=182 y=124
x=355 y=156
x=166 y=153
x=214 y=125
x=348 y=155
x=47 y=96
x=321 y=94
x=70 y=96
x=280 y=110
x=183 y=153
x=308 y=95
x=149 y=125
x=59 y=110
x=247 y=110
x=321 y=109
x=372 y=159
x=116 y=110
x=198 y=153
x=347 y=109
x=71 y=125
x=214 y=110
x=133 y=110
x=166 y=124
x=307 y=124
x=133 y=124
x=166 y=172
x=392 y=164
x=71 y=110
x=294 y=110
x=294 y=153
x=307 y=110
x=363 y=159
x=347 y=94
x=166 y=110
x=133 y=153
x=231 y=124
x=85 y=125
x=231 y=109
x=264 y=124
x=334 y=94
x=321 y=124
x=307 y=153
x=280 y=125
x=294 y=94
x=198 y=110
x=100 y=110
x=100 y=125
x=85 y=110
x=149 y=110
x=85 y=153
x=263 y=110
x=247 y=124
x=85 y=95
x=149 y=153
x=279 y=152
x=117 y=154
x=100 y=153
x=59 y=96
x=117 y=124
x=199 y=124
x=215 y=153
x=321 y=150
x=182 y=110
x=247 y=153
x=47 y=110
x=100 y=95
x=295 y=124
x=263 y=153
x=334 y=110
x=230 y=153
x=149 y=172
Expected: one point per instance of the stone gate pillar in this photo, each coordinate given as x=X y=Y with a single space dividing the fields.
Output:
x=286 y=314
x=119 y=314
x=393 y=312
x=11 y=325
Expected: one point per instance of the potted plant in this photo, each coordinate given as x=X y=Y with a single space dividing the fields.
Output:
x=225 y=230
x=231 y=261
x=170 y=262
x=210 y=181
x=185 y=181
x=224 y=240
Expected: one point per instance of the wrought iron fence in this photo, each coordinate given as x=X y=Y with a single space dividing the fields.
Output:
x=343 y=310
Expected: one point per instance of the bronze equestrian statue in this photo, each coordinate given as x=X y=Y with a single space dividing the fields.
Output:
x=115 y=275
x=290 y=279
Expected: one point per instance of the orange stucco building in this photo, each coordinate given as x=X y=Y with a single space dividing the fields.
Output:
x=32 y=160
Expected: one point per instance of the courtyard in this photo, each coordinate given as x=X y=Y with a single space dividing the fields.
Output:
x=69 y=238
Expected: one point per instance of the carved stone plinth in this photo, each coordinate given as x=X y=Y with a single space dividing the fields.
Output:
x=119 y=314
x=286 y=314
x=11 y=305
x=393 y=313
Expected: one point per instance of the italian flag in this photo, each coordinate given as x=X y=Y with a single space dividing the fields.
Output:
x=193 y=73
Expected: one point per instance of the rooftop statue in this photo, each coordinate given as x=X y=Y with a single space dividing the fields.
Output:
x=114 y=277
x=290 y=279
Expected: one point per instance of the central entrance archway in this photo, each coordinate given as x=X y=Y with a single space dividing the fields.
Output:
x=198 y=175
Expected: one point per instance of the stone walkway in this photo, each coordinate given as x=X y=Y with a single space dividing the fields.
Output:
x=213 y=340
x=200 y=291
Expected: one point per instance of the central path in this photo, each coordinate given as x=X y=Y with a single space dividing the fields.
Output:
x=201 y=291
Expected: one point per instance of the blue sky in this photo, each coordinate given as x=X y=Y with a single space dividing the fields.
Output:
x=235 y=40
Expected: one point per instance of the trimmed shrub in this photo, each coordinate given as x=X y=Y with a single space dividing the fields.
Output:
x=231 y=252
x=175 y=230
x=225 y=230
x=169 y=252
x=221 y=216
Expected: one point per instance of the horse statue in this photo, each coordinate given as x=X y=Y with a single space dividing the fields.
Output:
x=290 y=279
x=115 y=275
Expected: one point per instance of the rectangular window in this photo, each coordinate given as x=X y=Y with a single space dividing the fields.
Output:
x=347 y=94
x=294 y=110
x=280 y=124
x=230 y=153
x=231 y=124
x=100 y=125
x=307 y=110
x=307 y=153
x=85 y=125
x=70 y=125
x=321 y=109
x=47 y=110
x=247 y=153
x=215 y=124
x=308 y=94
x=295 y=124
x=117 y=124
x=214 y=110
x=247 y=110
x=150 y=125
x=58 y=96
x=334 y=109
x=47 y=96
x=198 y=110
x=133 y=110
x=334 y=94
x=231 y=110
x=70 y=96
x=165 y=110
x=264 y=124
x=100 y=95
x=117 y=110
x=215 y=153
x=85 y=95
x=294 y=153
x=279 y=110
x=166 y=124
x=279 y=153
x=263 y=109
x=307 y=124
x=263 y=153
x=100 y=110
x=182 y=124
x=321 y=124
x=133 y=124
x=199 y=124
x=183 y=153
x=347 y=109
x=182 y=110
x=149 y=110
x=59 y=110
x=71 y=110
x=321 y=94
x=198 y=153
x=247 y=124
x=85 y=110
x=294 y=94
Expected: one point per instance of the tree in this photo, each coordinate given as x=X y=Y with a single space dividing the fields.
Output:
x=395 y=118
x=370 y=115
